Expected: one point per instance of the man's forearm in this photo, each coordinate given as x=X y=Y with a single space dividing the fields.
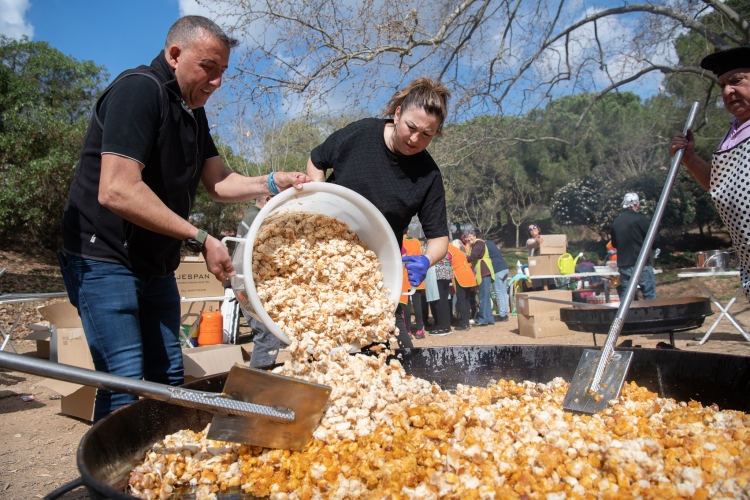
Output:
x=143 y=208
x=122 y=190
x=236 y=188
x=700 y=169
x=227 y=186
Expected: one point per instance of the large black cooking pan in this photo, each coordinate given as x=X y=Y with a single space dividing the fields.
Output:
x=644 y=316
x=113 y=446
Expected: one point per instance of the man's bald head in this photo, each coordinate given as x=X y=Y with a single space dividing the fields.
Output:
x=190 y=28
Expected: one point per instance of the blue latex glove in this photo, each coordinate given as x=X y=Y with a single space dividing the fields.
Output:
x=416 y=268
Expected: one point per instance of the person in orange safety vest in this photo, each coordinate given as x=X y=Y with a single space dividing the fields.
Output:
x=612 y=257
x=463 y=282
x=411 y=247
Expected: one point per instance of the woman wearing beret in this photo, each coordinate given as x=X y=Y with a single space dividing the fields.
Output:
x=726 y=177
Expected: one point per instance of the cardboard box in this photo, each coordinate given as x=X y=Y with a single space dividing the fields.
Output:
x=194 y=280
x=531 y=307
x=69 y=347
x=210 y=360
x=72 y=349
x=540 y=265
x=42 y=334
x=542 y=325
x=77 y=400
x=553 y=244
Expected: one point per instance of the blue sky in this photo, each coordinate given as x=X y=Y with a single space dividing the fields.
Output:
x=116 y=34
x=121 y=34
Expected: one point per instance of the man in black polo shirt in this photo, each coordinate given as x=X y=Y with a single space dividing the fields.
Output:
x=147 y=147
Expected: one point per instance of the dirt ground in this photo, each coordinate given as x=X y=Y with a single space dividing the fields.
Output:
x=40 y=443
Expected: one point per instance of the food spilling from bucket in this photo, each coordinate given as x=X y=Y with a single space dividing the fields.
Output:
x=386 y=434
x=320 y=283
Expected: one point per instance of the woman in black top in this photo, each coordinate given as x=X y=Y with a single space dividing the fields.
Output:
x=385 y=161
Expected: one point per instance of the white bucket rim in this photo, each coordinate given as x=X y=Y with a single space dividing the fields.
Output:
x=278 y=200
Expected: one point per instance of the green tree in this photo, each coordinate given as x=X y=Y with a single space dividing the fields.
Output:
x=45 y=100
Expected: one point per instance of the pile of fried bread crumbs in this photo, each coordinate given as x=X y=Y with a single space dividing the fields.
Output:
x=387 y=435
x=320 y=283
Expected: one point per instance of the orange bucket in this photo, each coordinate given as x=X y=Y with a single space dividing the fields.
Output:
x=210 y=328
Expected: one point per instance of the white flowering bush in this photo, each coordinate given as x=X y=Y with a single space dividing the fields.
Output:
x=588 y=202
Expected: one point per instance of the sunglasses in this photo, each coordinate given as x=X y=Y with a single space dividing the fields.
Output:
x=533 y=228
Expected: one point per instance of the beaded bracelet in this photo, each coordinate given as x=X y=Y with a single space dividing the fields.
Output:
x=272 y=187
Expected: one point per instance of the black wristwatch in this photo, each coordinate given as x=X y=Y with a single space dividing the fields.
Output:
x=196 y=244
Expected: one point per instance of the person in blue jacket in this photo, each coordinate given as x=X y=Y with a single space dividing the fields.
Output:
x=501 y=275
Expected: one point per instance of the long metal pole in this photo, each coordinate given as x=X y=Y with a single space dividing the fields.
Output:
x=622 y=312
x=213 y=402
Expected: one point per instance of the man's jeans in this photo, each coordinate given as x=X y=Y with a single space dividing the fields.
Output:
x=266 y=345
x=485 y=316
x=501 y=292
x=647 y=281
x=131 y=321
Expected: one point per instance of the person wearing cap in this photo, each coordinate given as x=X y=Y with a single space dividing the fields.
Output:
x=724 y=177
x=628 y=233
x=534 y=241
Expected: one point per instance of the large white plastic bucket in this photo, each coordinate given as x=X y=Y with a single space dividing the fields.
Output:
x=335 y=201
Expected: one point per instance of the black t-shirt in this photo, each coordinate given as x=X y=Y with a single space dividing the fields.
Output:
x=629 y=231
x=399 y=186
x=131 y=116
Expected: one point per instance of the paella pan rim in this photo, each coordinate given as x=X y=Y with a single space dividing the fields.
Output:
x=643 y=317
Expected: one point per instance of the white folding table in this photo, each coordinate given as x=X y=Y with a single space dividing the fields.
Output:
x=23 y=299
x=605 y=274
x=724 y=310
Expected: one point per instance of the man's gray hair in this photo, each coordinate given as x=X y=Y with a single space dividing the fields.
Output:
x=469 y=231
x=189 y=28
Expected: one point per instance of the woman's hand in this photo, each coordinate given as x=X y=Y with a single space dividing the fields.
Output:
x=416 y=268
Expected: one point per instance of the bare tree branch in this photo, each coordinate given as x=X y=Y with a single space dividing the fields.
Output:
x=498 y=56
x=733 y=17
